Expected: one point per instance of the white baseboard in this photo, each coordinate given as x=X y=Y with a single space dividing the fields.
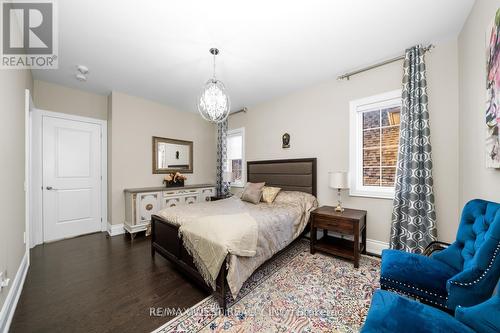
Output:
x=375 y=247
x=9 y=306
x=115 y=229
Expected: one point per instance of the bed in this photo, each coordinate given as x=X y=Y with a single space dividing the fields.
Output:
x=290 y=212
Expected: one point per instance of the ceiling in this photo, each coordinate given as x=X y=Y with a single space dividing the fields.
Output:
x=159 y=49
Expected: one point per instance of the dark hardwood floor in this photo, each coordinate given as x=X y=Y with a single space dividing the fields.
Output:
x=98 y=284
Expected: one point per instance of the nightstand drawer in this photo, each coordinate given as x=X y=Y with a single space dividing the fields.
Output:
x=333 y=224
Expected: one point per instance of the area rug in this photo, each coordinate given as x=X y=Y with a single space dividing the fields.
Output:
x=294 y=292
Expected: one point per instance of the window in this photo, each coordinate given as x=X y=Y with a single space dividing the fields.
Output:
x=236 y=156
x=374 y=144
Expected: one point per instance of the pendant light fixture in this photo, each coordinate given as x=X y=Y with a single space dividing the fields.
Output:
x=213 y=104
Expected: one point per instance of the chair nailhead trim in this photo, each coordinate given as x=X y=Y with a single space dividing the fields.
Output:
x=420 y=298
x=413 y=287
x=482 y=275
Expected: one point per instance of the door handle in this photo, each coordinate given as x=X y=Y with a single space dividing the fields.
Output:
x=50 y=188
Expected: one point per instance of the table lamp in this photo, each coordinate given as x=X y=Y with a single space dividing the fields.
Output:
x=338 y=180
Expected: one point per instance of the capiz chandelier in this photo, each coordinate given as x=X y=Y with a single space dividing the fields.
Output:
x=214 y=102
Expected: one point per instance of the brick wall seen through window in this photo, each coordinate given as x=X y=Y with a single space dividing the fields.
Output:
x=380 y=146
x=237 y=170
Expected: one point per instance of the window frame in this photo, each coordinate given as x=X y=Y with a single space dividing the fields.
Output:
x=234 y=132
x=357 y=108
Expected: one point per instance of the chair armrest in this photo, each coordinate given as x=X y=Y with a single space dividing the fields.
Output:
x=464 y=288
x=435 y=246
x=470 y=287
x=467 y=277
x=484 y=317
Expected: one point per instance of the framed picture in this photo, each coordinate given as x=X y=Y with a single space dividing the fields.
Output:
x=493 y=94
x=285 y=138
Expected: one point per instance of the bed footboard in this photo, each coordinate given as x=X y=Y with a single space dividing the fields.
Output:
x=166 y=241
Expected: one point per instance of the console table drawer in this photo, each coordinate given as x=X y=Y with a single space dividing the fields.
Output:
x=176 y=193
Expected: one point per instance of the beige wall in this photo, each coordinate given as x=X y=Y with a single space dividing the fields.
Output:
x=133 y=122
x=12 y=248
x=53 y=97
x=477 y=181
x=317 y=119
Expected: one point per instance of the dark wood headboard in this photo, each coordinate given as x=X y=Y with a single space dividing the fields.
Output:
x=290 y=175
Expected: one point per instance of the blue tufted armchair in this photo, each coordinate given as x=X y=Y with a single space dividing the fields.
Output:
x=463 y=274
x=391 y=313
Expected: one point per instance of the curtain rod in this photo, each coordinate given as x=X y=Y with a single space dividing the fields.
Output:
x=245 y=109
x=347 y=75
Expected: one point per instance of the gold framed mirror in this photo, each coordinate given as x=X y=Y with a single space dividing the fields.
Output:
x=170 y=155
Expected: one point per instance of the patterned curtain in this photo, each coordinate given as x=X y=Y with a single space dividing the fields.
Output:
x=221 y=186
x=413 y=215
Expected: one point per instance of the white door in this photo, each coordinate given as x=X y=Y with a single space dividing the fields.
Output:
x=71 y=178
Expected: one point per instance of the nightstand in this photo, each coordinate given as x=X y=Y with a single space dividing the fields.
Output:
x=350 y=222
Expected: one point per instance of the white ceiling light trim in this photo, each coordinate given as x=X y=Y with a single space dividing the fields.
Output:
x=214 y=103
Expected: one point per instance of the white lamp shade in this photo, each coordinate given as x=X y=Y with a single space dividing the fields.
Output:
x=338 y=180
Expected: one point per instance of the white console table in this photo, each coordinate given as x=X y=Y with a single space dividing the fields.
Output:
x=141 y=203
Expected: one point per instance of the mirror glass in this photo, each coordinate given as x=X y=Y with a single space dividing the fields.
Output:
x=170 y=155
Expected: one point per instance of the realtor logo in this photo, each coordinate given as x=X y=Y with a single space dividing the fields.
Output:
x=29 y=34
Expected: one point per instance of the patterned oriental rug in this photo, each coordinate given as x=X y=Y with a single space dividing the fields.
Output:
x=293 y=292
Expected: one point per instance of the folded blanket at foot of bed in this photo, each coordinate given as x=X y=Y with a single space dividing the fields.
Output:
x=210 y=239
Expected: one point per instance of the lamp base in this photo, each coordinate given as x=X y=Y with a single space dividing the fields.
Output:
x=339 y=208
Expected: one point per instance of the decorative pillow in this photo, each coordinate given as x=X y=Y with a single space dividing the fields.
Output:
x=269 y=193
x=252 y=192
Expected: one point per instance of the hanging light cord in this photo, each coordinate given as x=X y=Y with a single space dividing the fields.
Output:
x=215 y=77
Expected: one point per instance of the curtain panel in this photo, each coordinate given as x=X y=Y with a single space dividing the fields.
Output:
x=221 y=186
x=413 y=216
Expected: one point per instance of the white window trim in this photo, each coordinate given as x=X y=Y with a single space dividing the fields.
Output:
x=240 y=131
x=381 y=101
